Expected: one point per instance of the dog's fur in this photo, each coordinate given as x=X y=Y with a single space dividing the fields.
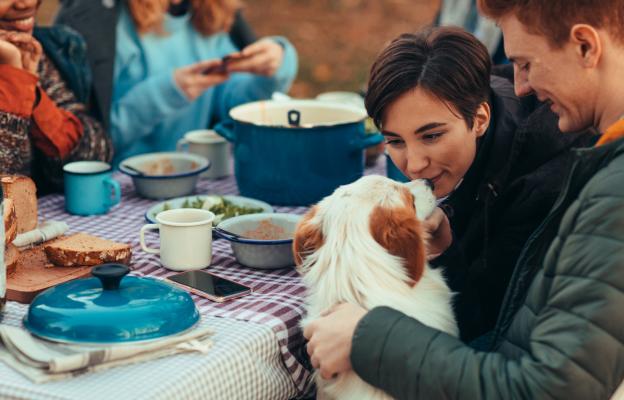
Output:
x=364 y=245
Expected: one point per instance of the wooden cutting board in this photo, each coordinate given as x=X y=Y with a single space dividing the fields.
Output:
x=34 y=274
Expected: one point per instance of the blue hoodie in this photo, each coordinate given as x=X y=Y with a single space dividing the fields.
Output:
x=150 y=112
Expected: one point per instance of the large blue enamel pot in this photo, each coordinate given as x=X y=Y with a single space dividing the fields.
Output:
x=295 y=152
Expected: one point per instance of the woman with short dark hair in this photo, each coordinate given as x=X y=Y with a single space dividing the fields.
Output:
x=496 y=160
x=560 y=332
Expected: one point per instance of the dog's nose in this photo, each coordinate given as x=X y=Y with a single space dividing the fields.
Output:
x=429 y=183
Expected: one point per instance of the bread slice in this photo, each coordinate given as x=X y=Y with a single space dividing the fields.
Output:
x=22 y=190
x=83 y=249
x=10 y=221
x=11 y=257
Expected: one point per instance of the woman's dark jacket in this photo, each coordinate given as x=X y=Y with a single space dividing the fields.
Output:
x=505 y=195
x=560 y=334
x=96 y=21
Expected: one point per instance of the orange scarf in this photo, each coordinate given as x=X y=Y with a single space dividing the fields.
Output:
x=613 y=133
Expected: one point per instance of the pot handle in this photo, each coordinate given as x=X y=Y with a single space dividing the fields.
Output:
x=110 y=275
x=226 y=129
x=294 y=118
x=367 y=141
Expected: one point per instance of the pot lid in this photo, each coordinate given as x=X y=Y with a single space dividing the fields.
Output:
x=111 y=308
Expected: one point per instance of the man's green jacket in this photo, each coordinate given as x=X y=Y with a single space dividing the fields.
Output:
x=560 y=334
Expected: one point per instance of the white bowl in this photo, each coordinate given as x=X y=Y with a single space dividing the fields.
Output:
x=150 y=214
x=165 y=175
x=262 y=253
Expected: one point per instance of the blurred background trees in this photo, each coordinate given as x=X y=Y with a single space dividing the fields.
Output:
x=337 y=40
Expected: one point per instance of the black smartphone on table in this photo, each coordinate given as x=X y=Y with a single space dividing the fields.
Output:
x=211 y=286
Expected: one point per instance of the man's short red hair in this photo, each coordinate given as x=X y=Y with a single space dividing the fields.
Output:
x=555 y=18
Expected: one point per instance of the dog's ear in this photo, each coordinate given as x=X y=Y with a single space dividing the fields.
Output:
x=398 y=231
x=308 y=237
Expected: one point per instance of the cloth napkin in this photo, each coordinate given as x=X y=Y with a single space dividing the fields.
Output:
x=43 y=361
x=46 y=231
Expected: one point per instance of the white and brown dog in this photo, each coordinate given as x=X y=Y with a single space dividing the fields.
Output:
x=364 y=245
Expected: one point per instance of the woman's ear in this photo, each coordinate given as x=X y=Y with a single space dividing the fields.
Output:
x=588 y=45
x=482 y=119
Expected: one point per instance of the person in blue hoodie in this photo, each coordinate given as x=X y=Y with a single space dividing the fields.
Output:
x=168 y=73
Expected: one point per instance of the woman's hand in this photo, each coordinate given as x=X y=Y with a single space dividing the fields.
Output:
x=438 y=233
x=330 y=337
x=194 y=79
x=9 y=54
x=22 y=45
x=263 y=57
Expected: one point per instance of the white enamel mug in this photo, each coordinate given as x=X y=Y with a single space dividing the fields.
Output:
x=185 y=238
x=209 y=144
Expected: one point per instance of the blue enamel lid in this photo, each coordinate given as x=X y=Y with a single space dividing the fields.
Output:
x=111 y=308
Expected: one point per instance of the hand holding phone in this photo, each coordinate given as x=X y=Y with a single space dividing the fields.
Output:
x=210 y=286
x=222 y=68
x=193 y=81
x=263 y=57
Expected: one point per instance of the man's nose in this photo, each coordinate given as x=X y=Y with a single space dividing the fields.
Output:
x=522 y=87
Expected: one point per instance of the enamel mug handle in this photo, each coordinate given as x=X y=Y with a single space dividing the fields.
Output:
x=116 y=189
x=181 y=144
x=143 y=245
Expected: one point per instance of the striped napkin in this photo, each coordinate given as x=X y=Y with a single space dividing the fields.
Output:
x=43 y=361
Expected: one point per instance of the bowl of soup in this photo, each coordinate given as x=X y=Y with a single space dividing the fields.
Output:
x=262 y=240
x=164 y=175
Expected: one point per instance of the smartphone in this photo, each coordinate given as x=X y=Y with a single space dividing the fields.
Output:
x=219 y=69
x=211 y=286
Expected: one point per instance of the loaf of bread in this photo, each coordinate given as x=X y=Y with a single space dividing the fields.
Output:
x=11 y=257
x=23 y=192
x=82 y=249
x=10 y=222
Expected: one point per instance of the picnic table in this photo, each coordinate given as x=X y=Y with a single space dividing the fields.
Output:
x=258 y=350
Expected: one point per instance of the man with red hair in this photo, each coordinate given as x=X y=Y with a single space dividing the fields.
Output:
x=560 y=333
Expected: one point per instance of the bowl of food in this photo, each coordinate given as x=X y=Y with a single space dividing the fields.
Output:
x=261 y=241
x=223 y=207
x=164 y=175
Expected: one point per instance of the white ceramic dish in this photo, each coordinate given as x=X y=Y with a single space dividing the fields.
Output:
x=166 y=174
x=262 y=254
x=241 y=201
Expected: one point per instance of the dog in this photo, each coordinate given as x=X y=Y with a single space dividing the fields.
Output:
x=364 y=245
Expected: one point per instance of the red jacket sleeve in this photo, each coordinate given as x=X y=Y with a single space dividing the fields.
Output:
x=55 y=131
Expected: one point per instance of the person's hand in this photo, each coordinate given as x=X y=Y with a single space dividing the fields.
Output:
x=194 y=79
x=263 y=57
x=26 y=45
x=329 y=339
x=10 y=55
x=437 y=233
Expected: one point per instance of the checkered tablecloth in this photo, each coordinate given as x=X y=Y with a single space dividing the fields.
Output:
x=261 y=353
